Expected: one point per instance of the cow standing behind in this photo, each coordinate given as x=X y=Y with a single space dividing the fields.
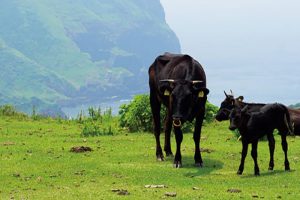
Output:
x=179 y=82
x=253 y=126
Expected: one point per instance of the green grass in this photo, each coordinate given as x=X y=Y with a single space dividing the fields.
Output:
x=36 y=163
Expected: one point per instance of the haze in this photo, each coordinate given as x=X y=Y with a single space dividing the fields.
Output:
x=251 y=47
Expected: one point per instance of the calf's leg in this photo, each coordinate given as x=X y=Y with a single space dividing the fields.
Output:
x=284 y=145
x=254 y=156
x=244 y=154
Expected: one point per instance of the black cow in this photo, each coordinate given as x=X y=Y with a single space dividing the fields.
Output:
x=254 y=125
x=179 y=82
x=230 y=102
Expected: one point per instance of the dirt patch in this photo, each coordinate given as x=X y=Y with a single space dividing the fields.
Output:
x=234 y=190
x=206 y=150
x=80 y=149
x=120 y=191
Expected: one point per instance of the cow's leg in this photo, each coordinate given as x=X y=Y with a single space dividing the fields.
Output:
x=179 y=137
x=271 y=149
x=284 y=145
x=155 y=108
x=168 y=128
x=254 y=156
x=197 y=136
x=244 y=154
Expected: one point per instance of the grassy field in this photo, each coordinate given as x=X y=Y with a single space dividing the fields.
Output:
x=36 y=163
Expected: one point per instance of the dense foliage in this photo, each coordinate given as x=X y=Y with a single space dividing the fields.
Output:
x=137 y=116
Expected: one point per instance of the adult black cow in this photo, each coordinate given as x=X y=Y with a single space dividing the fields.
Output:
x=179 y=82
x=254 y=125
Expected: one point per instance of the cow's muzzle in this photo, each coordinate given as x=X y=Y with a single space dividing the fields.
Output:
x=177 y=123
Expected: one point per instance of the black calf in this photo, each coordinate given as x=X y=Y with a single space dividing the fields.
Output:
x=254 y=125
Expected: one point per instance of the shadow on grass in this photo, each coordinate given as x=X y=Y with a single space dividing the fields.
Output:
x=267 y=173
x=209 y=165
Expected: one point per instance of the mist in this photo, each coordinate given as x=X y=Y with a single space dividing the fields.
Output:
x=251 y=47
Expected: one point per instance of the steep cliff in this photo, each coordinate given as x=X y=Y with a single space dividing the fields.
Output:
x=67 y=52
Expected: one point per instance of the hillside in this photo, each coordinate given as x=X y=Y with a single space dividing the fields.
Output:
x=66 y=53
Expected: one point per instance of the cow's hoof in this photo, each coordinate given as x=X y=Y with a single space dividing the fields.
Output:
x=287 y=168
x=239 y=172
x=199 y=165
x=270 y=168
x=169 y=154
x=177 y=164
x=160 y=158
x=256 y=173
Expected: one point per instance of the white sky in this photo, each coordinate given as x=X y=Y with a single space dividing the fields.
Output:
x=249 y=46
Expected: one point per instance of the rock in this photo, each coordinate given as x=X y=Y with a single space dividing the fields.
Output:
x=155 y=186
x=171 y=194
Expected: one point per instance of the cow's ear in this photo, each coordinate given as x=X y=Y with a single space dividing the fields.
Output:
x=165 y=87
x=203 y=92
x=240 y=98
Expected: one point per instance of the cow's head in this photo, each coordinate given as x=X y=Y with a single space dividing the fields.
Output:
x=238 y=117
x=183 y=95
x=227 y=105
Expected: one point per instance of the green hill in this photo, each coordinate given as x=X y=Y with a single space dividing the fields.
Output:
x=62 y=53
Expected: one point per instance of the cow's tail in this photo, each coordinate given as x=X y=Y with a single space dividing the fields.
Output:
x=288 y=123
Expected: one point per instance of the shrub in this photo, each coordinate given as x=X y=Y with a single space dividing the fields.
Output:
x=98 y=123
x=9 y=110
x=94 y=128
x=137 y=116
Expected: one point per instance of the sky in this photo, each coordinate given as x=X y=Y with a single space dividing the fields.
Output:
x=251 y=47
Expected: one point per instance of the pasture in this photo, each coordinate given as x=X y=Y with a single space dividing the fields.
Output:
x=36 y=163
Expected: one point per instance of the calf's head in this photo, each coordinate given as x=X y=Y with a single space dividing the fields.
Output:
x=238 y=117
x=183 y=95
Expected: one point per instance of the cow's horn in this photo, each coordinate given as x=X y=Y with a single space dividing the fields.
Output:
x=167 y=80
x=197 y=81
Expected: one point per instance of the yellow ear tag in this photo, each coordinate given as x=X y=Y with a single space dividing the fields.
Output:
x=167 y=93
x=201 y=94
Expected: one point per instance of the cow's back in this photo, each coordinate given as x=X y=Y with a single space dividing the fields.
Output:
x=176 y=67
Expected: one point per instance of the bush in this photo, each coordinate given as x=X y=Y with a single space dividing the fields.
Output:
x=9 y=110
x=94 y=128
x=98 y=123
x=137 y=116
